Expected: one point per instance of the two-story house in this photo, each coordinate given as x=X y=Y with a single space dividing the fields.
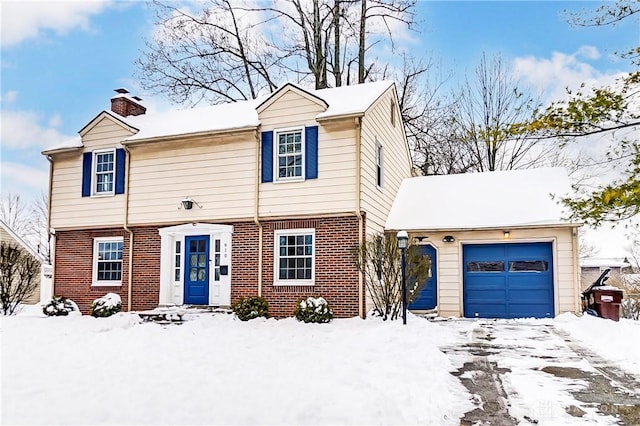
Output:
x=203 y=206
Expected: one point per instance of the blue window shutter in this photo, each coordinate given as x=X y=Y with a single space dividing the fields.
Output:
x=311 y=152
x=267 y=156
x=86 y=174
x=120 y=157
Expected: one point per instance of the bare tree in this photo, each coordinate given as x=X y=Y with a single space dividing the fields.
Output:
x=18 y=276
x=213 y=56
x=378 y=259
x=15 y=213
x=232 y=50
x=488 y=106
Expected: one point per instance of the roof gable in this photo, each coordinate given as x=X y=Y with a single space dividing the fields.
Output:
x=289 y=87
x=108 y=115
x=501 y=199
x=22 y=243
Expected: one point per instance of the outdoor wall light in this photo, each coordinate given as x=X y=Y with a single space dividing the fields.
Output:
x=507 y=235
x=403 y=243
x=187 y=203
x=448 y=239
x=419 y=238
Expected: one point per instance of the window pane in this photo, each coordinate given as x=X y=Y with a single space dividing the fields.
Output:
x=485 y=266
x=528 y=266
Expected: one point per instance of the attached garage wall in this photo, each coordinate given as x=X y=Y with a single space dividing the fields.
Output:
x=450 y=268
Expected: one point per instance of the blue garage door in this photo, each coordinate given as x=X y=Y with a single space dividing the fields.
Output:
x=508 y=280
x=428 y=297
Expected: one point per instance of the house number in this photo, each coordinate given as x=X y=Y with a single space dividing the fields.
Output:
x=225 y=250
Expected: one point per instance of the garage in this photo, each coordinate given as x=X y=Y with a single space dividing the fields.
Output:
x=502 y=244
x=508 y=280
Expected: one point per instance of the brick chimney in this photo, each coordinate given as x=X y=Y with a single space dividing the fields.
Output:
x=125 y=105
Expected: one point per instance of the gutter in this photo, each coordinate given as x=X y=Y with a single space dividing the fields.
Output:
x=358 y=122
x=126 y=226
x=50 y=233
x=256 y=214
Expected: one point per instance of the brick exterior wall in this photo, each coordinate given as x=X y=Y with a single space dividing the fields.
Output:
x=336 y=276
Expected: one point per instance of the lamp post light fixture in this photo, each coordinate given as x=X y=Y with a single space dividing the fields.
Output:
x=403 y=243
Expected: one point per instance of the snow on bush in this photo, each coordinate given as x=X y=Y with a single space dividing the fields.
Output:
x=313 y=309
x=248 y=308
x=106 y=306
x=60 y=306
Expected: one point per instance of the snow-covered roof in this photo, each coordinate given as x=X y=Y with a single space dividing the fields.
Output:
x=603 y=262
x=215 y=118
x=354 y=99
x=73 y=143
x=501 y=199
x=17 y=238
x=242 y=115
x=341 y=101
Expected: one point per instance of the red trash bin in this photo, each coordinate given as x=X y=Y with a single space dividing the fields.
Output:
x=607 y=300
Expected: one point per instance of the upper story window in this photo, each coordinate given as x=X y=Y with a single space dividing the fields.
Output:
x=379 y=164
x=290 y=154
x=104 y=171
x=107 y=261
x=294 y=257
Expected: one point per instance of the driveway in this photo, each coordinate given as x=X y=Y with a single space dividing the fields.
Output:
x=529 y=372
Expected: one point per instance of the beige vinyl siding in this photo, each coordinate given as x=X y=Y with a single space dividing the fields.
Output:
x=396 y=161
x=217 y=172
x=450 y=267
x=334 y=189
x=69 y=209
x=34 y=297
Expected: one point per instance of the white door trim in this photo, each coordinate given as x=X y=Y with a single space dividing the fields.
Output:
x=172 y=290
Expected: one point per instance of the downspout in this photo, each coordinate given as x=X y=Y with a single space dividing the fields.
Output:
x=126 y=226
x=256 y=214
x=50 y=235
x=358 y=122
x=576 y=267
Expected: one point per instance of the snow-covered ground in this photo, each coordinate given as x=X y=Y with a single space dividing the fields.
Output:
x=218 y=370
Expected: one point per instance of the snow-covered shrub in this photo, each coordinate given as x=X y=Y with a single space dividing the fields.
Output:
x=106 y=306
x=60 y=306
x=248 y=308
x=313 y=309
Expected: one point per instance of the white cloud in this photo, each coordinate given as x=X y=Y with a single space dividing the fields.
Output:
x=553 y=76
x=27 y=180
x=22 y=20
x=22 y=130
x=9 y=97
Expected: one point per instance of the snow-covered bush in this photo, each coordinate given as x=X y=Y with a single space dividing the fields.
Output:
x=106 y=306
x=248 y=308
x=60 y=306
x=313 y=309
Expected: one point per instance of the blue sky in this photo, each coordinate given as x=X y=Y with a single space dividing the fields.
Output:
x=60 y=61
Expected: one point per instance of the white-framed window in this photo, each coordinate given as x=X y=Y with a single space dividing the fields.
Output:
x=294 y=257
x=379 y=170
x=177 y=265
x=107 y=261
x=289 y=154
x=104 y=172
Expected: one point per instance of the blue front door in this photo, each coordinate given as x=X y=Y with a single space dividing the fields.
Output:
x=196 y=270
x=508 y=280
x=428 y=297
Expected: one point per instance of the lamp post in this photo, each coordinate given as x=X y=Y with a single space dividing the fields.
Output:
x=403 y=242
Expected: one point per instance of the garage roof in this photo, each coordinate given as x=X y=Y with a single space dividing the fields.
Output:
x=501 y=199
